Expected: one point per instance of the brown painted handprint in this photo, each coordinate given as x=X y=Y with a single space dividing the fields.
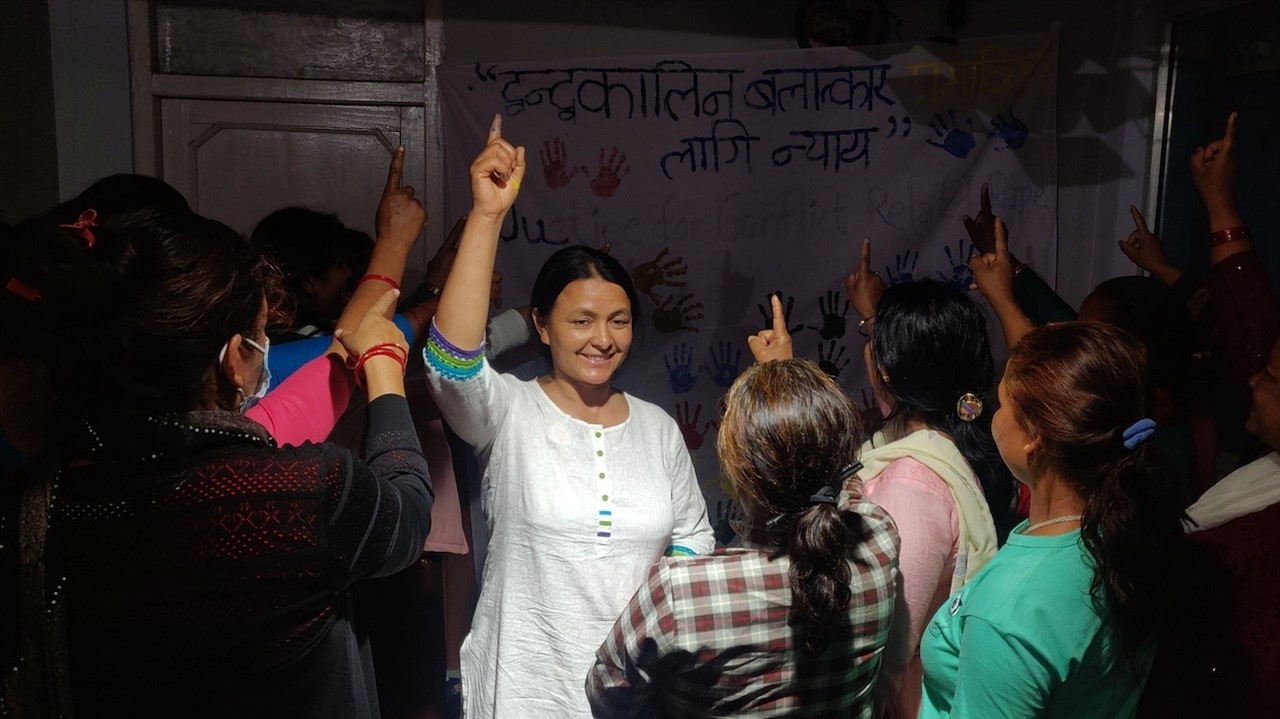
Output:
x=656 y=273
x=555 y=164
x=610 y=174
x=676 y=315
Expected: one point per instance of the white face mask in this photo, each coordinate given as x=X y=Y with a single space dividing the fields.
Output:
x=264 y=379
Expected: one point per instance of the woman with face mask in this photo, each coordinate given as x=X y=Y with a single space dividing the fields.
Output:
x=175 y=560
x=584 y=486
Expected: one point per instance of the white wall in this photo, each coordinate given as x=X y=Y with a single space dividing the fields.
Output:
x=1108 y=62
x=90 y=49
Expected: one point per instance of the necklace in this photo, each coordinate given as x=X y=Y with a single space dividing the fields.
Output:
x=1055 y=520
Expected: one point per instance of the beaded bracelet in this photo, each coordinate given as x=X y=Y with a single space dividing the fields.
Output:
x=381 y=278
x=386 y=349
x=1229 y=234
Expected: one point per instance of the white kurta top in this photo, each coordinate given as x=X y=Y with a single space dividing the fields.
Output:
x=577 y=513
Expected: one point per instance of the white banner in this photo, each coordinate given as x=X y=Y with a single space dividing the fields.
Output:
x=721 y=178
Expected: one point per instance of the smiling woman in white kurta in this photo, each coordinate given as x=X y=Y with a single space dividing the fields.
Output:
x=584 y=487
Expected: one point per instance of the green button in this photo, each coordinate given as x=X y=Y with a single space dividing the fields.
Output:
x=604 y=497
x=597 y=435
x=599 y=452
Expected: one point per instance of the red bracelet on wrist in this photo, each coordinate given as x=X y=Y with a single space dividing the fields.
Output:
x=1229 y=234
x=381 y=278
x=385 y=349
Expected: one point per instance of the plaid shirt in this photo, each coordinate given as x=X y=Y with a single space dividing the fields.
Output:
x=708 y=636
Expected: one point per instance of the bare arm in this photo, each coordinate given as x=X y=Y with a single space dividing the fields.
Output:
x=495 y=182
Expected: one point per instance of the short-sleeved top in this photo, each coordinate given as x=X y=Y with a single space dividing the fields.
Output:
x=1024 y=638
x=577 y=514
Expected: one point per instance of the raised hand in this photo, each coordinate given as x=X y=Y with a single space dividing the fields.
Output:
x=993 y=271
x=676 y=315
x=1012 y=130
x=554 y=164
x=835 y=320
x=496 y=175
x=440 y=265
x=1143 y=246
x=656 y=273
x=725 y=364
x=982 y=227
x=958 y=143
x=689 y=426
x=399 y=216
x=829 y=361
x=961 y=275
x=775 y=343
x=769 y=316
x=382 y=376
x=680 y=369
x=904 y=267
x=727 y=513
x=610 y=174
x=1213 y=168
x=864 y=286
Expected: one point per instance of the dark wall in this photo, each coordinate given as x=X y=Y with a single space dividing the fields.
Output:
x=28 y=144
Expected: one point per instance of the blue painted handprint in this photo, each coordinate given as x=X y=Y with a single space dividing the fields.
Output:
x=955 y=141
x=834 y=319
x=903 y=267
x=961 y=276
x=725 y=364
x=680 y=369
x=1012 y=130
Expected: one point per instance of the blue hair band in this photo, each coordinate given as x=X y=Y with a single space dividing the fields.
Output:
x=1139 y=432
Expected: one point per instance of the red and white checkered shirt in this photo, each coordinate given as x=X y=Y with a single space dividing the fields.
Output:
x=708 y=636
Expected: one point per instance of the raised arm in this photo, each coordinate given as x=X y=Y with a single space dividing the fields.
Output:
x=495 y=182
x=993 y=276
x=1213 y=169
x=399 y=222
x=1144 y=248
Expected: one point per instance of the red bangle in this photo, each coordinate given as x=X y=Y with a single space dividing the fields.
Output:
x=386 y=349
x=1229 y=234
x=383 y=278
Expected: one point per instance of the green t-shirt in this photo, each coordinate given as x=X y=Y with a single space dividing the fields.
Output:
x=1024 y=639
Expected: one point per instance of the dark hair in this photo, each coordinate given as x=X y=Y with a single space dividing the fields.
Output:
x=579 y=262
x=1151 y=312
x=788 y=431
x=302 y=242
x=1077 y=386
x=144 y=312
x=121 y=194
x=931 y=340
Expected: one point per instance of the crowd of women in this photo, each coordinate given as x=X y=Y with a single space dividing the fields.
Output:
x=179 y=539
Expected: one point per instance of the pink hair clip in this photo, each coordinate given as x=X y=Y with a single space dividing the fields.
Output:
x=84 y=226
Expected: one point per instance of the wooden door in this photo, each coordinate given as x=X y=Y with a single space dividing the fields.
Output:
x=247 y=106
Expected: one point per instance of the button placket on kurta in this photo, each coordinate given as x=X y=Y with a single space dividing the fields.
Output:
x=604 y=516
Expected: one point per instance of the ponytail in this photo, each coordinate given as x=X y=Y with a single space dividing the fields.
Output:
x=1131 y=528
x=818 y=547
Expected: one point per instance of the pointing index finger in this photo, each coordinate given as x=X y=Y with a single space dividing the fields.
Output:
x=864 y=261
x=1229 y=137
x=1139 y=222
x=779 y=318
x=1002 y=239
x=495 y=130
x=395 y=171
x=986 y=199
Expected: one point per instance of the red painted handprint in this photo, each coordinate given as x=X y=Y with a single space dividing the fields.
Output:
x=689 y=426
x=610 y=174
x=555 y=164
